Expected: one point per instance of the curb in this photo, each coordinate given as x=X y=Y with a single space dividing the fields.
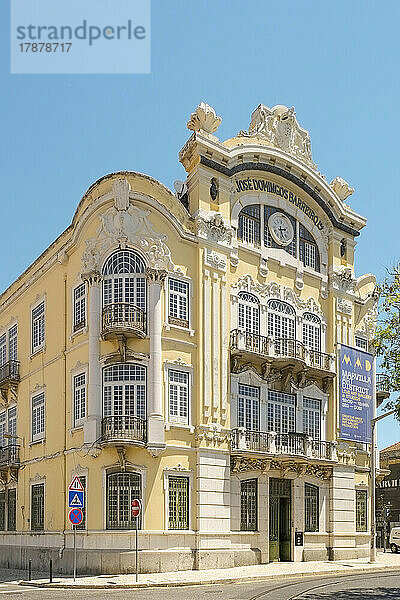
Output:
x=167 y=584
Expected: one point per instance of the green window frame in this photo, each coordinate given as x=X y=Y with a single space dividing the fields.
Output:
x=311 y=507
x=248 y=505
x=178 y=502
x=361 y=510
x=37 y=507
x=2 y=511
x=122 y=488
x=12 y=509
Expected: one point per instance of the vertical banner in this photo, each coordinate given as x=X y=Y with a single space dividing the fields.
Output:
x=355 y=394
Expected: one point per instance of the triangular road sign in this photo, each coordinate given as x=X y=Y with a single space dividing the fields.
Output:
x=76 y=485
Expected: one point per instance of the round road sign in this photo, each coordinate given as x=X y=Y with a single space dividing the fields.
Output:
x=75 y=516
x=136 y=507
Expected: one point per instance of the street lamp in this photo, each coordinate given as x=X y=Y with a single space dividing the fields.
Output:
x=372 y=554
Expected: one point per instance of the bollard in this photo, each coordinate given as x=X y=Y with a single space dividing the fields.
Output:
x=51 y=571
x=30 y=570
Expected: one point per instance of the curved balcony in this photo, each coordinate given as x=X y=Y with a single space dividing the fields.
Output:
x=123 y=318
x=288 y=444
x=382 y=387
x=9 y=456
x=9 y=374
x=280 y=351
x=124 y=429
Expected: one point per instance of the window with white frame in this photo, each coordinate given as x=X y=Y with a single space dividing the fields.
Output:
x=361 y=343
x=38 y=332
x=281 y=320
x=312 y=331
x=79 y=393
x=124 y=390
x=312 y=417
x=13 y=342
x=248 y=407
x=249 y=225
x=178 y=502
x=178 y=396
x=8 y=424
x=281 y=412
x=3 y=349
x=178 y=313
x=79 y=307
x=249 y=313
x=8 y=347
x=38 y=417
x=124 y=282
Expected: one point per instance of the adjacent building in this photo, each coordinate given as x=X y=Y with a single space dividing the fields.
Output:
x=181 y=348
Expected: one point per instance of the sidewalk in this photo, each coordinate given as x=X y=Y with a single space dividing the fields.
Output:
x=270 y=571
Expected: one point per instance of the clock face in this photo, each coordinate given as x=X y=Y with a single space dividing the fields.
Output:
x=281 y=229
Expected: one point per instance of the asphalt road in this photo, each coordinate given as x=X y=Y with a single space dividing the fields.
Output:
x=368 y=586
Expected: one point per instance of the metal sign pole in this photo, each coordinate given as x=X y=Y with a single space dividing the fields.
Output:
x=74 y=552
x=137 y=554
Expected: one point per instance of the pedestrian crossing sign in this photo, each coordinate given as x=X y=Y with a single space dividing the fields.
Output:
x=75 y=499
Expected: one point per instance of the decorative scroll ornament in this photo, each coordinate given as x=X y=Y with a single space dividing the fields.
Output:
x=343 y=280
x=214 y=228
x=214 y=434
x=214 y=260
x=130 y=226
x=279 y=126
x=344 y=306
x=241 y=464
x=204 y=119
x=368 y=324
x=341 y=188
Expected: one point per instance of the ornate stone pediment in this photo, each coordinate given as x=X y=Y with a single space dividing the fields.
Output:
x=126 y=226
x=214 y=228
x=279 y=126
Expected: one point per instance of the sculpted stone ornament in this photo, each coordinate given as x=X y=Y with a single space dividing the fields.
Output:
x=279 y=126
x=342 y=188
x=121 y=189
x=204 y=119
x=214 y=228
x=343 y=280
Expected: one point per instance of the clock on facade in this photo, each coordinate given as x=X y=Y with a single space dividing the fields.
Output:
x=281 y=229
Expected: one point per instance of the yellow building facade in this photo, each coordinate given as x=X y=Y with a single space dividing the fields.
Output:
x=181 y=348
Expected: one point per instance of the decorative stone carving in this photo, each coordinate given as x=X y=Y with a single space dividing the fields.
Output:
x=279 y=126
x=92 y=277
x=214 y=189
x=368 y=324
x=214 y=228
x=204 y=119
x=341 y=188
x=344 y=306
x=122 y=227
x=214 y=434
x=121 y=189
x=343 y=280
x=318 y=472
x=156 y=275
x=179 y=467
x=214 y=260
x=180 y=362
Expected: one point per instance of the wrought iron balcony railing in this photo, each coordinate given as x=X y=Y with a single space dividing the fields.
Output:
x=291 y=444
x=124 y=428
x=9 y=372
x=124 y=317
x=9 y=455
x=382 y=383
x=280 y=348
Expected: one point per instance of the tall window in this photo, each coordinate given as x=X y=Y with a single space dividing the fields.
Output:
x=249 y=313
x=248 y=505
x=311 y=507
x=2 y=511
x=178 y=302
x=178 y=502
x=280 y=412
x=79 y=307
x=308 y=249
x=79 y=398
x=312 y=417
x=123 y=279
x=361 y=510
x=312 y=331
x=38 y=327
x=38 y=417
x=281 y=320
x=248 y=407
x=37 y=507
x=249 y=225
x=3 y=349
x=8 y=424
x=178 y=391
x=124 y=390
x=122 y=488
x=11 y=509
x=8 y=345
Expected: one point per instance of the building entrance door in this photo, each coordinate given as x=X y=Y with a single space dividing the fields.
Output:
x=279 y=519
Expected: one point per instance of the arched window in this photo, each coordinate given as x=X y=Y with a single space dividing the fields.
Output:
x=124 y=390
x=122 y=488
x=249 y=313
x=281 y=320
x=312 y=331
x=123 y=279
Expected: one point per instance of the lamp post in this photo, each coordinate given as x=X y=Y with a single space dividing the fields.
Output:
x=372 y=554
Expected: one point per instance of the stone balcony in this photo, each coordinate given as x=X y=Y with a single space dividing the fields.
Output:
x=123 y=319
x=293 y=445
x=124 y=430
x=281 y=352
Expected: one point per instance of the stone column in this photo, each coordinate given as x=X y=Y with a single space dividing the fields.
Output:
x=92 y=426
x=155 y=422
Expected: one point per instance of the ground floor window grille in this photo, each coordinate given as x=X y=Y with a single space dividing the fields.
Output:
x=311 y=508
x=280 y=412
x=122 y=488
x=361 y=510
x=248 y=407
x=178 y=502
x=248 y=505
x=312 y=417
x=2 y=511
x=37 y=507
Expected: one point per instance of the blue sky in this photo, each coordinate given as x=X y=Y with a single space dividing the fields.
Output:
x=336 y=62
